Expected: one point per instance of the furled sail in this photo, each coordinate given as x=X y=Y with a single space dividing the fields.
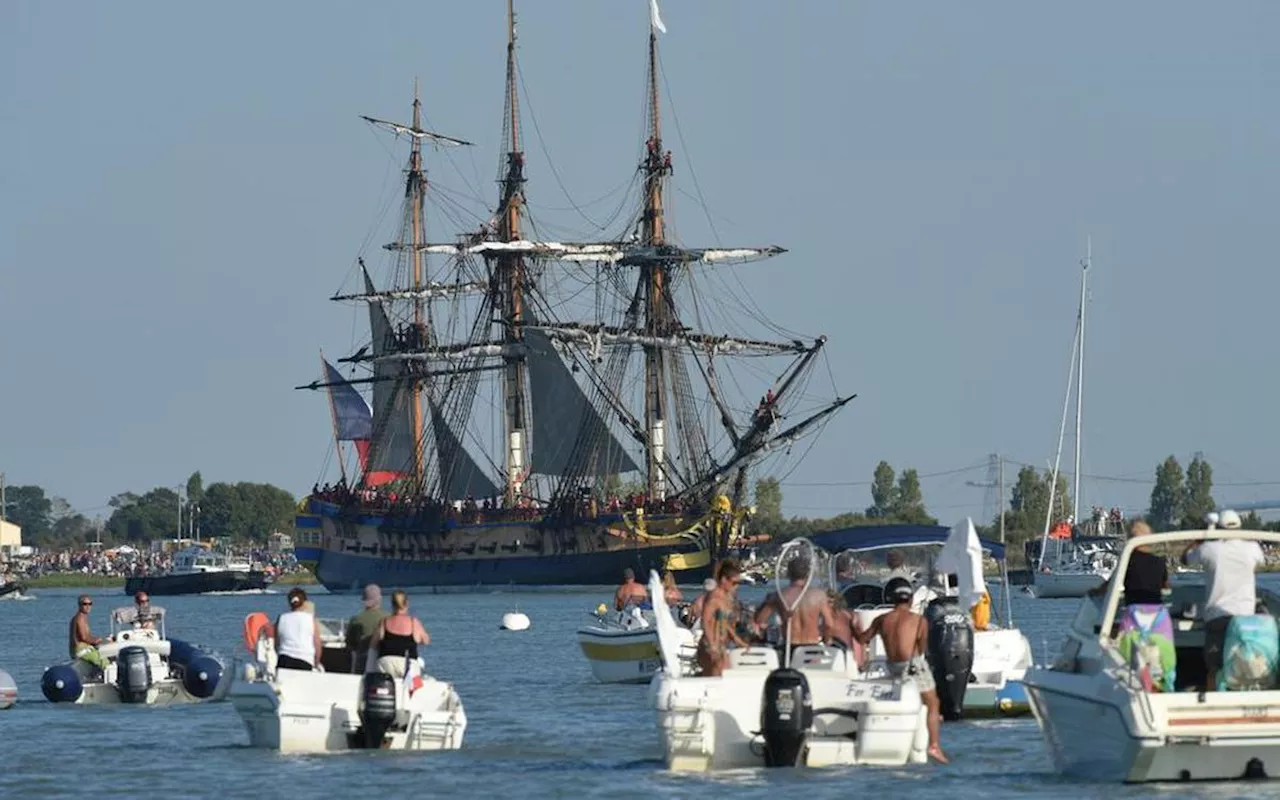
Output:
x=460 y=473
x=561 y=413
x=391 y=454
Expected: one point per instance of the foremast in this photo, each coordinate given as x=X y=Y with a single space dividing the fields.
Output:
x=654 y=277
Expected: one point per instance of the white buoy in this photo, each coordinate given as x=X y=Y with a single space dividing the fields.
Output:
x=515 y=621
x=8 y=690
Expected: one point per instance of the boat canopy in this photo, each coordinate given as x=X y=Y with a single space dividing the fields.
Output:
x=881 y=537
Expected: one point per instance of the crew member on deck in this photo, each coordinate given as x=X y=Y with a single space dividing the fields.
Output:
x=630 y=592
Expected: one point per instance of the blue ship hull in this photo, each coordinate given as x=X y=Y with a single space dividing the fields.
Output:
x=349 y=572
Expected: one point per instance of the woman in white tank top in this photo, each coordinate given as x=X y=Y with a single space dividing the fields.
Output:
x=297 y=635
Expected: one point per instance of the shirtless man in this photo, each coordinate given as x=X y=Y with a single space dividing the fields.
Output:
x=719 y=613
x=629 y=591
x=905 y=634
x=810 y=608
x=81 y=642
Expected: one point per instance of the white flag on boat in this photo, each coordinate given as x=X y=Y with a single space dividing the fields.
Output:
x=655 y=18
x=962 y=555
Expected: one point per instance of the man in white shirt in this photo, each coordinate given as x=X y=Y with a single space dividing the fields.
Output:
x=1231 y=587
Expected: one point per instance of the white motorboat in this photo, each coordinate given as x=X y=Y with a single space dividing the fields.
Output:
x=622 y=646
x=143 y=666
x=819 y=710
x=1074 y=568
x=1101 y=723
x=296 y=711
x=986 y=680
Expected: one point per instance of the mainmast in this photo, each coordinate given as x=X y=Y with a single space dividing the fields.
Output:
x=655 y=278
x=511 y=280
x=415 y=192
x=1084 y=278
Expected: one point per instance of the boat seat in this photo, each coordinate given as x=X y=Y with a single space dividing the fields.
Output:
x=754 y=658
x=819 y=657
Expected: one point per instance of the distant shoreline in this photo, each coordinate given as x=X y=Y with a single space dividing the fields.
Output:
x=76 y=580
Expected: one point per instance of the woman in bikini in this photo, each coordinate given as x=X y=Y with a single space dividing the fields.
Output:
x=718 y=621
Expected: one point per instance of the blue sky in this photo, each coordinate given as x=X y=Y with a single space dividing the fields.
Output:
x=182 y=185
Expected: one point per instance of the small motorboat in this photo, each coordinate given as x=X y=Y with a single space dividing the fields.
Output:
x=12 y=590
x=816 y=710
x=8 y=690
x=978 y=671
x=295 y=711
x=1103 y=715
x=622 y=646
x=143 y=667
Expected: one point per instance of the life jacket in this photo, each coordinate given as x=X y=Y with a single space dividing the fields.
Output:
x=1249 y=654
x=982 y=613
x=1146 y=642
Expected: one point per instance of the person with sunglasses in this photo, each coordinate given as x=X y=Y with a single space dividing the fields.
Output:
x=719 y=620
x=82 y=643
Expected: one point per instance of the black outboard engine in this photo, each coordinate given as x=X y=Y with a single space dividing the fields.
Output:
x=133 y=674
x=786 y=715
x=950 y=653
x=377 y=707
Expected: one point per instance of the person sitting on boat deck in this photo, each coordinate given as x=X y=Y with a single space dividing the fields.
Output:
x=1147 y=575
x=905 y=634
x=298 y=643
x=396 y=638
x=670 y=592
x=630 y=592
x=83 y=644
x=1231 y=590
x=694 y=612
x=142 y=615
x=806 y=608
x=719 y=614
x=360 y=628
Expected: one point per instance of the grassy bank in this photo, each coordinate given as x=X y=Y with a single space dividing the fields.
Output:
x=74 y=580
x=300 y=578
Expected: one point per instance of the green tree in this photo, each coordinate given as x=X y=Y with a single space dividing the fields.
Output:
x=769 y=500
x=909 y=500
x=1197 y=500
x=195 y=489
x=1250 y=522
x=1029 y=504
x=245 y=510
x=29 y=508
x=883 y=491
x=1167 y=496
x=154 y=515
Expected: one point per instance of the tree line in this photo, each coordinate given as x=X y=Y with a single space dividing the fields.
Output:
x=1180 y=499
x=240 y=512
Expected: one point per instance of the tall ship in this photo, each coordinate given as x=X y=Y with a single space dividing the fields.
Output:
x=539 y=412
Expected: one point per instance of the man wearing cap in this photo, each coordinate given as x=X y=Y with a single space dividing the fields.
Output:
x=904 y=634
x=360 y=628
x=630 y=592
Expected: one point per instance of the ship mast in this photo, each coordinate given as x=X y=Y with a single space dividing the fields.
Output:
x=654 y=276
x=511 y=280
x=415 y=189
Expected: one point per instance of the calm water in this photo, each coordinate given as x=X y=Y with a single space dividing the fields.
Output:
x=537 y=724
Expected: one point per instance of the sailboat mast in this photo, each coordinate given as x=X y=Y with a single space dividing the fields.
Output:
x=416 y=187
x=511 y=272
x=657 y=304
x=1084 y=277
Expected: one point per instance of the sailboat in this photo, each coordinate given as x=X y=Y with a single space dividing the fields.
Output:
x=585 y=393
x=1067 y=565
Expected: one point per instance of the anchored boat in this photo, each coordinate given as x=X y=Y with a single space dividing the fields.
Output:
x=622 y=646
x=143 y=667
x=590 y=391
x=1104 y=715
x=297 y=711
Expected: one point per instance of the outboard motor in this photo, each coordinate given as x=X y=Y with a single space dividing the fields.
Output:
x=786 y=715
x=950 y=653
x=61 y=684
x=377 y=707
x=133 y=674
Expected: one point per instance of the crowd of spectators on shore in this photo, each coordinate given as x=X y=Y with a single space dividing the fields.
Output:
x=128 y=562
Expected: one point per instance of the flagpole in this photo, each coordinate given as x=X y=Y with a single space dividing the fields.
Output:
x=333 y=418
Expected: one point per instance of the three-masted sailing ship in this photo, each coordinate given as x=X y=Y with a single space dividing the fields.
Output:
x=587 y=393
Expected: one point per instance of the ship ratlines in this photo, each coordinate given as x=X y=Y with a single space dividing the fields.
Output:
x=543 y=412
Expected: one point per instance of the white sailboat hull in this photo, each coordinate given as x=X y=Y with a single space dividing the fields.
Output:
x=1066 y=584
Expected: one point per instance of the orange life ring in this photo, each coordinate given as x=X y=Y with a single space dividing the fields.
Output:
x=256 y=626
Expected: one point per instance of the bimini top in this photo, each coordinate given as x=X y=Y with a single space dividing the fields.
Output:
x=880 y=537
